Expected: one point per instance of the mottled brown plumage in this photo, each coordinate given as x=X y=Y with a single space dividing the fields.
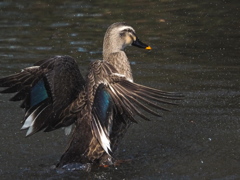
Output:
x=102 y=106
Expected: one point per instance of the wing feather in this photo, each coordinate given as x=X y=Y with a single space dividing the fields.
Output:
x=127 y=99
x=47 y=89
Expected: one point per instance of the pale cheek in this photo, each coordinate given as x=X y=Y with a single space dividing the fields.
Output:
x=128 y=40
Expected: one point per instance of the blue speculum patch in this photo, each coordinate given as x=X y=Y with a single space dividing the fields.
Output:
x=38 y=93
x=102 y=102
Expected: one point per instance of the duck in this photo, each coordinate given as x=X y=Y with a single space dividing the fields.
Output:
x=96 y=110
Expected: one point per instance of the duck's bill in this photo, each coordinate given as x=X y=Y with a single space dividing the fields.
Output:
x=139 y=44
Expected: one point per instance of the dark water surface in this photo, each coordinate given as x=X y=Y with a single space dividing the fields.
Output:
x=196 y=50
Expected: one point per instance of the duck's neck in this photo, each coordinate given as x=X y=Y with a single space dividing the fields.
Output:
x=120 y=61
x=114 y=54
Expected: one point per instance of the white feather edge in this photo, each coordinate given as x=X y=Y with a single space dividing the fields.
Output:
x=104 y=140
x=29 y=120
x=29 y=68
x=125 y=27
x=121 y=75
x=68 y=130
x=29 y=123
x=30 y=130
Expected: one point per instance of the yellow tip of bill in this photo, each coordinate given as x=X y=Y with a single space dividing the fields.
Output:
x=148 y=47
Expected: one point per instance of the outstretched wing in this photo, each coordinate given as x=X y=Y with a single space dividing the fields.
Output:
x=46 y=89
x=135 y=99
x=113 y=94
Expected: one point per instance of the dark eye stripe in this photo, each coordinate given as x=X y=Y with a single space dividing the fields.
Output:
x=128 y=30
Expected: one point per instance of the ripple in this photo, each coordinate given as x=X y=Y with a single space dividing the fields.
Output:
x=14 y=24
x=75 y=167
x=62 y=24
x=80 y=42
x=87 y=15
x=81 y=49
x=43 y=48
x=8 y=39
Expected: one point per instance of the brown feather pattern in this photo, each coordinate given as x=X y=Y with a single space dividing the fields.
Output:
x=102 y=106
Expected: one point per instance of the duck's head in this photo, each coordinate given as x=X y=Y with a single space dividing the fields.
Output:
x=120 y=35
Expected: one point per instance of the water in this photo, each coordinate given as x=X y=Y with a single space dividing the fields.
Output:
x=195 y=51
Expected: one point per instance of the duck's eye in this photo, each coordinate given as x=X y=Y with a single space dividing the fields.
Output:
x=123 y=33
